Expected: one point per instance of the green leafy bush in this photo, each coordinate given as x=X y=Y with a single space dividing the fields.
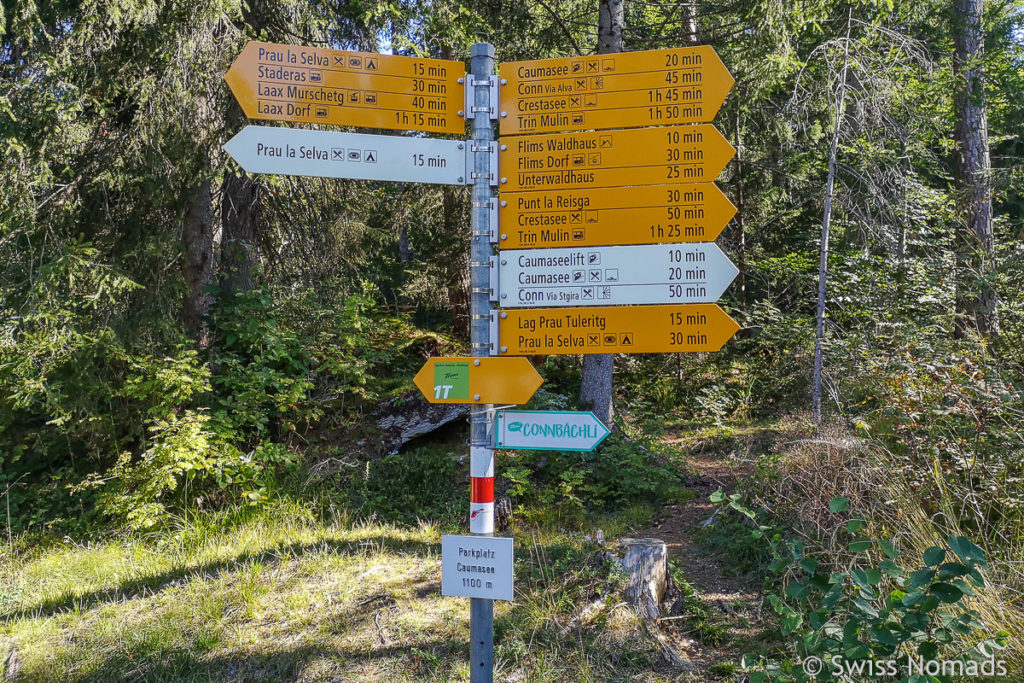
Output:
x=262 y=382
x=418 y=484
x=762 y=372
x=875 y=617
x=185 y=449
x=62 y=362
x=621 y=470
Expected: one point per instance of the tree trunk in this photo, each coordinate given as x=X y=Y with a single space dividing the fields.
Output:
x=199 y=265
x=452 y=205
x=453 y=222
x=610 y=21
x=596 y=387
x=690 y=18
x=405 y=418
x=240 y=214
x=976 y=299
x=645 y=562
x=741 y=233
x=241 y=193
x=826 y=221
x=404 y=252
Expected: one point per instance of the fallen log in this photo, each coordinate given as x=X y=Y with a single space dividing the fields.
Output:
x=403 y=419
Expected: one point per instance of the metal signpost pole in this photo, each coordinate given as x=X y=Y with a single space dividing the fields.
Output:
x=481 y=507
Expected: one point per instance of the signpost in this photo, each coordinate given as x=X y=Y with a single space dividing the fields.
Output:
x=593 y=218
x=613 y=158
x=603 y=276
x=478 y=380
x=329 y=154
x=548 y=430
x=615 y=329
x=477 y=567
x=644 y=214
x=318 y=85
x=649 y=88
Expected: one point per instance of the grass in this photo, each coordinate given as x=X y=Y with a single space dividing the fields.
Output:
x=260 y=597
x=724 y=669
x=274 y=593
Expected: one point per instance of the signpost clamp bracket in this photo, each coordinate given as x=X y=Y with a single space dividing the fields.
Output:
x=492 y=231
x=494 y=332
x=494 y=212
x=493 y=273
x=470 y=108
x=492 y=431
x=492 y=164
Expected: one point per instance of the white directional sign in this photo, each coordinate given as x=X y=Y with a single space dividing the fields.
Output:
x=477 y=567
x=548 y=430
x=611 y=276
x=329 y=154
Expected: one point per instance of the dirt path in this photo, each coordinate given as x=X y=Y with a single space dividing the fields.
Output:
x=723 y=611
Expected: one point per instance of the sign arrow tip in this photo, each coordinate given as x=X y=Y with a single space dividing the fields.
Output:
x=234 y=148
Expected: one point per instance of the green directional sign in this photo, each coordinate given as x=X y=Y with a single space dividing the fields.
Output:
x=551 y=430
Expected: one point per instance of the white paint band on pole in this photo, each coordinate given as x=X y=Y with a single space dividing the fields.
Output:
x=332 y=154
x=481 y=462
x=481 y=518
x=481 y=490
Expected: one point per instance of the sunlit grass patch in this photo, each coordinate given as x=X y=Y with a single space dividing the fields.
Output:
x=275 y=594
x=214 y=589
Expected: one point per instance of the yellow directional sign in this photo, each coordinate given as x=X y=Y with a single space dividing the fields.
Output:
x=364 y=89
x=614 y=329
x=644 y=214
x=478 y=380
x=613 y=158
x=650 y=88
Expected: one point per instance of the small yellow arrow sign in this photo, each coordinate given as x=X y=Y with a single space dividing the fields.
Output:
x=478 y=380
x=317 y=85
x=645 y=214
x=613 y=158
x=648 y=88
x=615 y=329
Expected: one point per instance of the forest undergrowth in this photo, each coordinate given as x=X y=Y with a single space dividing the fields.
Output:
x=321 y=581
x=194 y=484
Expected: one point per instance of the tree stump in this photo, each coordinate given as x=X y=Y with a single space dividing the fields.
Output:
x=645 y=561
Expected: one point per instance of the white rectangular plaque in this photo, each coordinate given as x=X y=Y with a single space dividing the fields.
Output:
x=477 y=567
